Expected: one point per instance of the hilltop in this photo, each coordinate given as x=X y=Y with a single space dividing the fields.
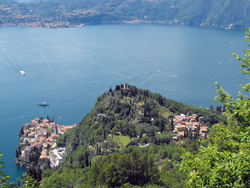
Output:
x=227 y=14
x=132 y=137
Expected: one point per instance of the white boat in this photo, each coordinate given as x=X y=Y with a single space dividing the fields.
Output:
x=43 y=104
x=22 y=72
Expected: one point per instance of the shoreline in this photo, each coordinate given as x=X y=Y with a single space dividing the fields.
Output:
x=56 y=25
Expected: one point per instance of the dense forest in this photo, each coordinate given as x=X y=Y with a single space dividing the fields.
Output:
x=227 y=14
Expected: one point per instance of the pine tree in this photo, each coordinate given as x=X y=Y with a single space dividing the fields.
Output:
x=22 y=132
x=104 y=134
x=56 y=130
x=86 y=158
x=97 y=150
x=171 y=124
x=48 y=164
x=16 y=154
x=211 y=107
x=71 y=160
x=39 y=174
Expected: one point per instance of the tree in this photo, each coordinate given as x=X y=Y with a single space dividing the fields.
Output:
x=225 y=162
x=28 y=181
x=56 y=131
x=86 y=158
x=17 y=153
x=3 y=178
x=21 y=131
x=162 y=125
x=211 y=107
x=39 y=174
x=110 y=90
x=71 y=160
x=218 y=108
x=171 y=125
x=117 y=87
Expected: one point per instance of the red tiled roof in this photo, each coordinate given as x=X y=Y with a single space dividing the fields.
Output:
x=43 y=157
x=204 y=128
x=181 y=133
x=180 y=126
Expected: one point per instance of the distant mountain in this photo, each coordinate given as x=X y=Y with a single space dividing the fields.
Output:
x=215 y=13
x=228 y=14
x=26 y=1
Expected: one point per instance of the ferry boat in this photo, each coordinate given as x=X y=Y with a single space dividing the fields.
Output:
x=43 y=104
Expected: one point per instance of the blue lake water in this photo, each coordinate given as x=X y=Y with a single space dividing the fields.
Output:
x=69 y=68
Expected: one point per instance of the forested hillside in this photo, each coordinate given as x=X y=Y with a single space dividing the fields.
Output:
x=128 y=139
x=64 y=13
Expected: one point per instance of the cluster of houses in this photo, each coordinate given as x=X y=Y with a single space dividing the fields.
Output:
x=42 y=134
x=191 y=123
x=32 y=20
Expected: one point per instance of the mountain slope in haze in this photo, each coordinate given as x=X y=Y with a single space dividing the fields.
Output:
x=216 y=13
x=62 y=13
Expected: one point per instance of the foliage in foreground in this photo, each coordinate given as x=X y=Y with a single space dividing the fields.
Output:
x=225 y=162
x=26 y=182
x=3 y=178
x=153 y=166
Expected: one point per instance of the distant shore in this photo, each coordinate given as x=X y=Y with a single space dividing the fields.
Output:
x=65 y=24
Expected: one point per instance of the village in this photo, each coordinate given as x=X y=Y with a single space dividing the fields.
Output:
x=41 y=134
x=189 y=123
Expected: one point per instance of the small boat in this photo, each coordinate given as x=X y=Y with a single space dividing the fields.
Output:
x=22 y=72
x=43 y=104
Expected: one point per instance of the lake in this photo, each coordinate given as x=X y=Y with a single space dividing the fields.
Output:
x=70 y=67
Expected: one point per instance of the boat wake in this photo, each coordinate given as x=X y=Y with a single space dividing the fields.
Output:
x=11 y=64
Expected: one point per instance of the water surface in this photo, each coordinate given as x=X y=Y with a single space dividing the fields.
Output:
x=69 y=68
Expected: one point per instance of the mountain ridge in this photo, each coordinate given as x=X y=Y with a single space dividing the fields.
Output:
x=226 y=14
